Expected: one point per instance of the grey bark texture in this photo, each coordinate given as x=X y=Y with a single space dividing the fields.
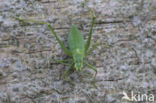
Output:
x=125 y=60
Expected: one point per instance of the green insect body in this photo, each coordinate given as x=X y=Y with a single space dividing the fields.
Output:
x=77 y=47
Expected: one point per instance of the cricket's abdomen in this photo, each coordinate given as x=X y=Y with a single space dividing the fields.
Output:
x=76 y=46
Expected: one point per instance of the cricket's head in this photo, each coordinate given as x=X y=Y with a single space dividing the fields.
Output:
x=78 y=63
x=78 y=60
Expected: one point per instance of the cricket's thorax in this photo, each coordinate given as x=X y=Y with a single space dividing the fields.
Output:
x=78 y=58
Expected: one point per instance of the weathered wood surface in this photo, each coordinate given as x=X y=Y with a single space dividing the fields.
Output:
x=126 y=60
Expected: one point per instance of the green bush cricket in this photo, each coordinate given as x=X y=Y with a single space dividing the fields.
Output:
x=78 y=50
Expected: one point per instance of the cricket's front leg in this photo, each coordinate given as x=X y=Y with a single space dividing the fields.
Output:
x=65 y=62
x=67 y=71
x=93 y=68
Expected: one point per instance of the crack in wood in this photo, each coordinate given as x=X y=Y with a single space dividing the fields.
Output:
x=112 y=22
